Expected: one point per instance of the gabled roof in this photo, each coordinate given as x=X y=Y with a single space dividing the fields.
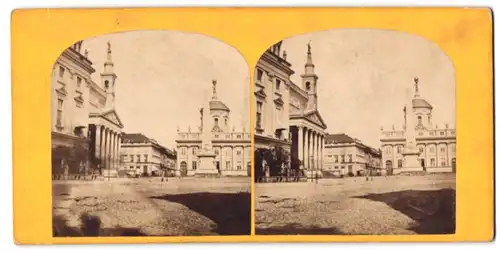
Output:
x=339 y=138
x=135 y=138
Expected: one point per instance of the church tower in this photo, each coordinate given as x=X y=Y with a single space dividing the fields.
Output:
x=310 y=81
x=108 y=78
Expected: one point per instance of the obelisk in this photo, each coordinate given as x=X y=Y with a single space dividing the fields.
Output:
x=410 y=152
x=206 y=155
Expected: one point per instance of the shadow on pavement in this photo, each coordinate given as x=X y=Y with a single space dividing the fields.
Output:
x=91 y=227
x=230 y=211
x=432 y=211
x=297 y=229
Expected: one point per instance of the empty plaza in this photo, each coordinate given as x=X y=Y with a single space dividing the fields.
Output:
x=419 y=204
x=148 y=206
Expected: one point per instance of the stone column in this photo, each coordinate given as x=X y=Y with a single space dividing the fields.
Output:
x=111 y=134
x=110 y=145
x=306 y=149
x=313 y=149
x=118 y=150
x=316 y=150
x=300 y=142
x=321 y=152
x=103 y=147
x=113 y=154
x=97 y=141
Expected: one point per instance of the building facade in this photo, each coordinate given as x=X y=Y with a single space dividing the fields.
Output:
x=85 y=125
x=347 y=156
x=142 y=156
x=232 y=148
x=436 y=145
x=286 y=113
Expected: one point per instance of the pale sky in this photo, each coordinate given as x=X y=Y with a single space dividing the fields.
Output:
x=363 y=74
x=163 y=77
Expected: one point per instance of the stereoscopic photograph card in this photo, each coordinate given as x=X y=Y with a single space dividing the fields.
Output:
x=218 y=125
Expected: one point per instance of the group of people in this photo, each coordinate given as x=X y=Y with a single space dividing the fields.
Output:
x=84 y=171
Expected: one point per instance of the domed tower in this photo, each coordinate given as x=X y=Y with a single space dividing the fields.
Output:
x=422 y=109
x=219 y=112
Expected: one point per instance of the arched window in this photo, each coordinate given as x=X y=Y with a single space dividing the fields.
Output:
x=419 y=119
x=216 y=121
x=225 y=121
x=308 y=85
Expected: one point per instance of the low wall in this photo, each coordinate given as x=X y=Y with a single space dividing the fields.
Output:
x=439 y=170
x=233 y=173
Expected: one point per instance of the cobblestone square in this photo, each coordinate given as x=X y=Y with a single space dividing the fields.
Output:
x=147 y=206
x=386 y=205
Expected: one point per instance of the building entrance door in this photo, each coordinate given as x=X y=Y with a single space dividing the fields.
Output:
x=183 y=169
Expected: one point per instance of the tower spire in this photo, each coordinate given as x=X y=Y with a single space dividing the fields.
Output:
x=309 y=81
x=108 y=64
x=214 y=89
x=309 y=67
x=416 y=87
x=108 y=78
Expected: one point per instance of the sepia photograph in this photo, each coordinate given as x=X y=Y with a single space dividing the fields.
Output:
x=150 y=136
x=354 y=135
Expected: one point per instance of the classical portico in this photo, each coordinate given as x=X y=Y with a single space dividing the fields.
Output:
x=105 y=134
x=308 y=138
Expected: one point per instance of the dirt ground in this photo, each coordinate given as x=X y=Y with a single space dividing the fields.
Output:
x=147 y=206
x=386 y=205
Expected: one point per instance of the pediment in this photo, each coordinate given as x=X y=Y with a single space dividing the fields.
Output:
x=316 y=118
x=279 y=101
x=112 y=116
x=261 y=93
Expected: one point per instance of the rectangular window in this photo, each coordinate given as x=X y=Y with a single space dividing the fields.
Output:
x=431 y=149
x=239 y=167
x=441 y=133
x=342 y=159
x=400 y=163
x=336 y=158
x=228 y=165
x=421 y=150
x=138 y=158
x=398 y=150
x=194 y=151
x=433 y=162
x=78 y=81
x=238 y=152
x=442 y=150
x=278 y=82
x=183 y=151
x=443 y=163
x=259 y=75
x=131 y=158
x=194 y=164
x=216 y=152
x=145 y=158
x=61 y=71
x=59 y=112
x=259 y=115
x=350 y=158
